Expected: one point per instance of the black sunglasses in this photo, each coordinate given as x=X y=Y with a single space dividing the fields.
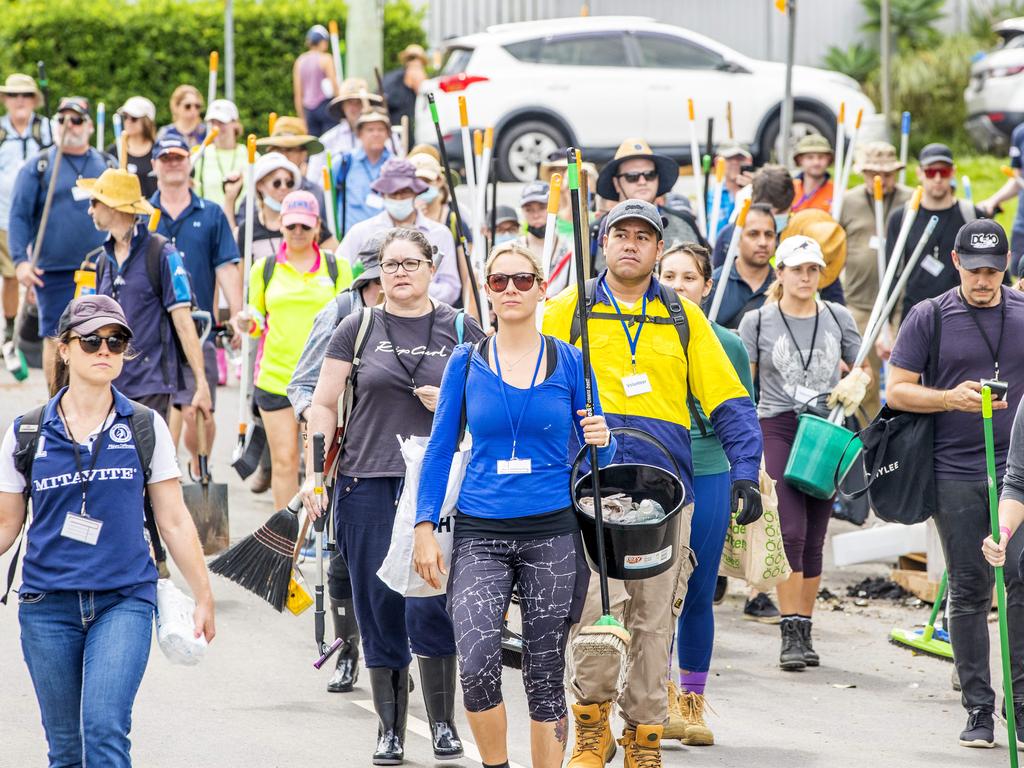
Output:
x=286 y=183
x=76 y=120
x=192 y=105
x=523 y=281
x=303 y=227
x=28 y=95
x=91 y=344
x=634 y=177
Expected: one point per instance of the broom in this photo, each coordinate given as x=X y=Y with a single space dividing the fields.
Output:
x=262 y=561
x=924 y=641
x=607 y=636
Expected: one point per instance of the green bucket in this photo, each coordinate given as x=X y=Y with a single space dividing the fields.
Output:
x=819 y=448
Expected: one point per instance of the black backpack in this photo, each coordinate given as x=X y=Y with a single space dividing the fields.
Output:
x=270 y=262
x=677 y=317
x=27 y=443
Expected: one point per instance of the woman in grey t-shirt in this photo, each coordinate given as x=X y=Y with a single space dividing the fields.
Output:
x=796 y=344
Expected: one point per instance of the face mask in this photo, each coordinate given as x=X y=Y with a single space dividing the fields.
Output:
x=781 y=219
x=272 y=204
x=504 y=237
x=399 y=210
x=536 y=231
x=429 y=195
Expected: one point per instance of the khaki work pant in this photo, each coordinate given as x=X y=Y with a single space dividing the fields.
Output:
x=648 y=608
x=872 y=402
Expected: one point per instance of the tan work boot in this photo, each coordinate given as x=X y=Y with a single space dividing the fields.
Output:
x=676 y=727
x=697 y=732
x=594 y=745
x=642 y=746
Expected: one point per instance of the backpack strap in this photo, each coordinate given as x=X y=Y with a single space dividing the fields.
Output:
x=344 y=305
x=145 y=444
x=332 y=267
x=26 y=436
x=678 y=314
x=154 y=254
x=463 y=419
x=269 y=262
x=460 y=325
x=348 y=394
x=589 y=291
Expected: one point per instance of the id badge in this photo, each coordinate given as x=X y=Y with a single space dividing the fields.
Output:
x=81 y=528
x=637 y=384
x=804 y=395
x=373 y=200
x=932 y=266
x=515 y=467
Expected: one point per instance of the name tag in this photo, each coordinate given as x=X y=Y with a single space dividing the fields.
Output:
x=637 y=384
x=515 y=467
x=81 y=528
x=804 y=395
x=932 y=266
x=373 y=200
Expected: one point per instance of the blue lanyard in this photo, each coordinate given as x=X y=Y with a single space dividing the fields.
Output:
x=633 y=340
x=504 y=396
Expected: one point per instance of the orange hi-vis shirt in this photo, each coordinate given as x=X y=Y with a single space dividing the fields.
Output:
x=820 y=199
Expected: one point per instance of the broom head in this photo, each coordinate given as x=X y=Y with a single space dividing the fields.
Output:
x=919 y=642
x=606 y=637
x=262 y=561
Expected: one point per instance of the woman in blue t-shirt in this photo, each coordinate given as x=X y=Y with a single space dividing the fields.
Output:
x=515 y=526
x=88 y=579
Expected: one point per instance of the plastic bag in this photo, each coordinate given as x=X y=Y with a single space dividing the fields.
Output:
x=755 y=552
x=175 y=626
x=397 y=570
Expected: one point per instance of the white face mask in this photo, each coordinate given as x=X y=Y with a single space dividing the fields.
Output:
x=504 y=237
x=399 y=210
x=272 y=204
x=429 y=195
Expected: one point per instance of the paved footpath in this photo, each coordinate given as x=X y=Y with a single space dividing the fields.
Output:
x=256 y=700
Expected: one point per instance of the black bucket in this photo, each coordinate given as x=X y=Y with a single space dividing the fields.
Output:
x=632 y=551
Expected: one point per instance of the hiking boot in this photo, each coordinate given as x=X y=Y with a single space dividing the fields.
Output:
x=594 y=745
x=721 y=587
x=980 y=730
x=697 y=732
x=642 y=746
x=791 y=656
x=811 y=657
x=761 y=608
x=676 y=726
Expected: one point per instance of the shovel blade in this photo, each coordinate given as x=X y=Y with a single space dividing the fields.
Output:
x=209 y=509
x=247 y=458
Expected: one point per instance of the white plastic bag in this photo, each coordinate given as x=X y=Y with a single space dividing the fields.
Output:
x=175 y=626
x=397 y=570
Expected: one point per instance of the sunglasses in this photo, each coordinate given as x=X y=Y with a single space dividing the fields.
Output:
x=76 y=120
x=130 y=118
x=192 y=105
x=523 y=281
x=286 y=183
x=633 y=178
x=409 y=265
x=943 y=172
x=91 y=344
x=296 y=227
x=28 y=95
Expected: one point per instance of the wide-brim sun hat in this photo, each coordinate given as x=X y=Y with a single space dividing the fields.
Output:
x=632 y=149
x=290 y=132
x=119 y=189
x=20 y=83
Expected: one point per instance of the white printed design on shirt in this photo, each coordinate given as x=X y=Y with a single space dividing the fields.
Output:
x=385 y=346
x=819 y=374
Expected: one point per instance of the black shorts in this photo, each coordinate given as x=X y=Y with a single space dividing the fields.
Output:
x=268 y=401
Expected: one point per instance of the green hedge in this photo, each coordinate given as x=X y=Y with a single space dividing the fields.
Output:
x=109 y=50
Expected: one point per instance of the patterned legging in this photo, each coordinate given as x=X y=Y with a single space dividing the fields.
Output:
x=551 y=577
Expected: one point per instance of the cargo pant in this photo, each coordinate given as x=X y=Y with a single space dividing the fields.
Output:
x=648 y=608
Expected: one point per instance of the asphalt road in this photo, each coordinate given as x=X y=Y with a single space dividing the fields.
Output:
x=256 y=700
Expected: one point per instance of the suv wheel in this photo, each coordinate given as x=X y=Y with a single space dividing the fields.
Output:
x=523 y=146
x=805 y=123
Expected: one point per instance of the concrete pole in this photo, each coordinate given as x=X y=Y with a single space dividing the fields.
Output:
x=886 y=56
x=782 y=147
x=229 y=50
x=364 y=39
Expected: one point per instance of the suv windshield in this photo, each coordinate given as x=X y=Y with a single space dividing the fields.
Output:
x=592 y=50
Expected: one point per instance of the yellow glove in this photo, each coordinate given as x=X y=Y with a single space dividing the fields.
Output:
x=850 y=392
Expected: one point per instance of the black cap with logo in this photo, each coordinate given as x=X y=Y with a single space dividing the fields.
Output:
x=982 y=243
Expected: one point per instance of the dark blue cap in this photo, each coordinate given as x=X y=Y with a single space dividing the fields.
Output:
x=170 y=144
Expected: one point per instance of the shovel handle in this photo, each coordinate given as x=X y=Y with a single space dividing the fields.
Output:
x=203 y=448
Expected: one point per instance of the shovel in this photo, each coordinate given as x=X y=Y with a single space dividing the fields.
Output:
x=207 y=501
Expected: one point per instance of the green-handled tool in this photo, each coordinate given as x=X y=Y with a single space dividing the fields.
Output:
x=1004 y=639
x=925 y=641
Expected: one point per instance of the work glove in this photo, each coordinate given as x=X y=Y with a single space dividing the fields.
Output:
x=746 y=501
x=850 y=391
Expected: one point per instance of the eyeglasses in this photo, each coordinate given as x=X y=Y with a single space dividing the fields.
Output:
x=634 y=177
x=296 y=227
x=409 y=265
x=75 y=120
x=942 y=171
x=91 y=344
x=523 y=281
x=286 y=183
x=28 y=95
x=192 y=105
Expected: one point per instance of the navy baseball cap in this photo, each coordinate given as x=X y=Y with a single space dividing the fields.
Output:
x=170 y=145
x=637 y=209
x=982 y=243
x=935 y=153
x=77 y=104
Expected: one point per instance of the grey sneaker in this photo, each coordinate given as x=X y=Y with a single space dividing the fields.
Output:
x=980 y=730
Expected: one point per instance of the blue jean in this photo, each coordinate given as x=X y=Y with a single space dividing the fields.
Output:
x=695 y=635
x=86 y=653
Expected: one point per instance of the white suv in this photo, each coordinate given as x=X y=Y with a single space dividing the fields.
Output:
x=594 y=81
x=995 y=96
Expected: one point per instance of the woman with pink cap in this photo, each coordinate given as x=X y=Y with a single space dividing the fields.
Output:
x=286 y=290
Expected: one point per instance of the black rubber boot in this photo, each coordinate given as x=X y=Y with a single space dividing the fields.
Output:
x=437 y=678
x=791 y=656
x=346 y=671
x=391 y=701
x=811 y=658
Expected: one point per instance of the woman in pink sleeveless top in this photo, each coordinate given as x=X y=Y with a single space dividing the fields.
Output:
x=314 y=81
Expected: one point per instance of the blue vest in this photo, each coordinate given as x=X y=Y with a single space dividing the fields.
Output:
x=120 y=559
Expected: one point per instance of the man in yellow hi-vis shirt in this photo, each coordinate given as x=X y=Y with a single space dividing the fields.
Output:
x=637 y=330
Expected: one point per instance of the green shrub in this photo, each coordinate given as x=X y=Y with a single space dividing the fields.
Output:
x=912 y=22
x=857 y=61
x=108 y=50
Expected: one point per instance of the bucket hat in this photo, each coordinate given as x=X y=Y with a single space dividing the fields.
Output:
x=668 y=169
x=398 y=174
x=19 y=83
x=879 y=157
x=812 y=143
x=118 y=189
x=353 y=88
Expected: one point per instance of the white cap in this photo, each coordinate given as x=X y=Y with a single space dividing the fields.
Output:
x=139 y=106
x=797 y=250
x=270 y=162
x=222 y=110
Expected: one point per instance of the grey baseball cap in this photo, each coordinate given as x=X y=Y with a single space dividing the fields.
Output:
x=369 y=255
x=503 y=213
x=636 y=209
x=534 y=192
x=88 y=314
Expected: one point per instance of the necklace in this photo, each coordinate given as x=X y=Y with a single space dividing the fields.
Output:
x=518 y=359
x=78 y=168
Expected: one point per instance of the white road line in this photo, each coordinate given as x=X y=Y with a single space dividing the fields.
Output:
x=420 y=728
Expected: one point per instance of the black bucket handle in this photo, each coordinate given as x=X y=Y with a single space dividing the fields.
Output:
x=632 y=432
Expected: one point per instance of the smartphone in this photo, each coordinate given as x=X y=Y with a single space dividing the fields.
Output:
x=998 y=387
